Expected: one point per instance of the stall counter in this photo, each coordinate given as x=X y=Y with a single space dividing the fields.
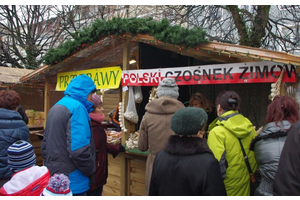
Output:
x=135 y=167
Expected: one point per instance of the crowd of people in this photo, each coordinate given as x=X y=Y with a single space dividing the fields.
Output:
x=74 y=146
x=225 y=137
x=203 y=149
x=155 y=125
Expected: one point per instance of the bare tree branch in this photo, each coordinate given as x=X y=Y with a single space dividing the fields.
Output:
x=27 y=32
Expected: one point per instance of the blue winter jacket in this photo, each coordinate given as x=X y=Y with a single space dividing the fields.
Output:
x=12 y=129
x=68 y=145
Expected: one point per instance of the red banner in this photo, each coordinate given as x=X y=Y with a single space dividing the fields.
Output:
x=254 y=72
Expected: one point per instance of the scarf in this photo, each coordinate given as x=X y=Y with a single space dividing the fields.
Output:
x=97 y=117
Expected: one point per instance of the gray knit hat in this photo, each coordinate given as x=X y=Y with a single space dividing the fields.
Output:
x=168 y=87
x=188 y=120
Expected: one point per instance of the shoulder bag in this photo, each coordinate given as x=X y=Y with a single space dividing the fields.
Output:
x=254 y=180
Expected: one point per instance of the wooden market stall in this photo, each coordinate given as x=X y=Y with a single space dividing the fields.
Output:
x=9 y=80
x=127 y=171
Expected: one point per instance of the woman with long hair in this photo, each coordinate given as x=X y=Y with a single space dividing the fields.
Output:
x=200 y=101
x=282 y=112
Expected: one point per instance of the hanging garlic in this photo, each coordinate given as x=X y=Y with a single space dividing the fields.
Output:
x=121 y=114
x=153 y=94
x=275 y=87
x=132 y=141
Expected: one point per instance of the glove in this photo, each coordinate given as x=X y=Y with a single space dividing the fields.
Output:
x=122 y=148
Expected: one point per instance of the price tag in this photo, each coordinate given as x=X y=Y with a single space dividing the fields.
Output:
x=125 y=88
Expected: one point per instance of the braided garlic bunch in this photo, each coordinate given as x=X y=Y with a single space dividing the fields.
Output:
x=153 y=94
x=132 y=141
x=275 y=87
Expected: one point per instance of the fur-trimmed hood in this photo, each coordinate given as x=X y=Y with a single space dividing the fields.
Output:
x=186 y=145
x=186 y=167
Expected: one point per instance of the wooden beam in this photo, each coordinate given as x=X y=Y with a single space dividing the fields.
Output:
x=123 y=181
x=119 y=61
x=256 y=53
x=237 y=51
x=212 y=56
x=34 y=73
x=73 y=66
x=46 y=99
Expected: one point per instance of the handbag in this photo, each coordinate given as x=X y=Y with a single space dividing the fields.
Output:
x=254 y=180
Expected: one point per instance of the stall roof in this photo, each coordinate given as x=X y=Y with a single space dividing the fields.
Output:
x=10 y=75
x=109 y=52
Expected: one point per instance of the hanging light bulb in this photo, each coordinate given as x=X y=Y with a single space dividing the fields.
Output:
x=132 y=61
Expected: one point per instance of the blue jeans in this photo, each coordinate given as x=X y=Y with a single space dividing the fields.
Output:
x=97 y=192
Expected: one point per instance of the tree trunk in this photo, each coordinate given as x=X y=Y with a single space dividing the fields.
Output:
x=240 y=25
x=254 y=35
x=259 y=26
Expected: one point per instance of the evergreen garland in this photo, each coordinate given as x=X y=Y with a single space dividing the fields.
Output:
x=161 y=30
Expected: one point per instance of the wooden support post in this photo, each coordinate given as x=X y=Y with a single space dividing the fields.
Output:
x=123 y=182
x=46 y=99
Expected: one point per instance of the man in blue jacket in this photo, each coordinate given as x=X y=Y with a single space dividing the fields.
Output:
x=68 y=145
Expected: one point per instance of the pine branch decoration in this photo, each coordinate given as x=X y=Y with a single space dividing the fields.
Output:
x=160 y=30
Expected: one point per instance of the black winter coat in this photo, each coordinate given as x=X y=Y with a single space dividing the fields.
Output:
x=287 y=178
x=186 y=167
x=22 y=112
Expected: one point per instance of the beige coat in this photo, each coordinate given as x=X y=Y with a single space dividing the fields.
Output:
x=155 y=129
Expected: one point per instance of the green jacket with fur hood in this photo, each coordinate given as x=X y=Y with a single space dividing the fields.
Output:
x=224 y=143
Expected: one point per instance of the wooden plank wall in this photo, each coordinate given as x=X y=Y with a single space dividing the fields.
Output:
x=36 y=142
x=31 y=98
x=136 y=177
x=110 y=102
x=136 y=168
x=112 y=187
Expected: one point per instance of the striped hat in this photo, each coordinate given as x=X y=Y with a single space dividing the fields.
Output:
x=20 y=155
x=58 y=185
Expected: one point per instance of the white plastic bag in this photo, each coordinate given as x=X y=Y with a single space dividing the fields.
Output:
x=130 y=113
x=138 y=96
